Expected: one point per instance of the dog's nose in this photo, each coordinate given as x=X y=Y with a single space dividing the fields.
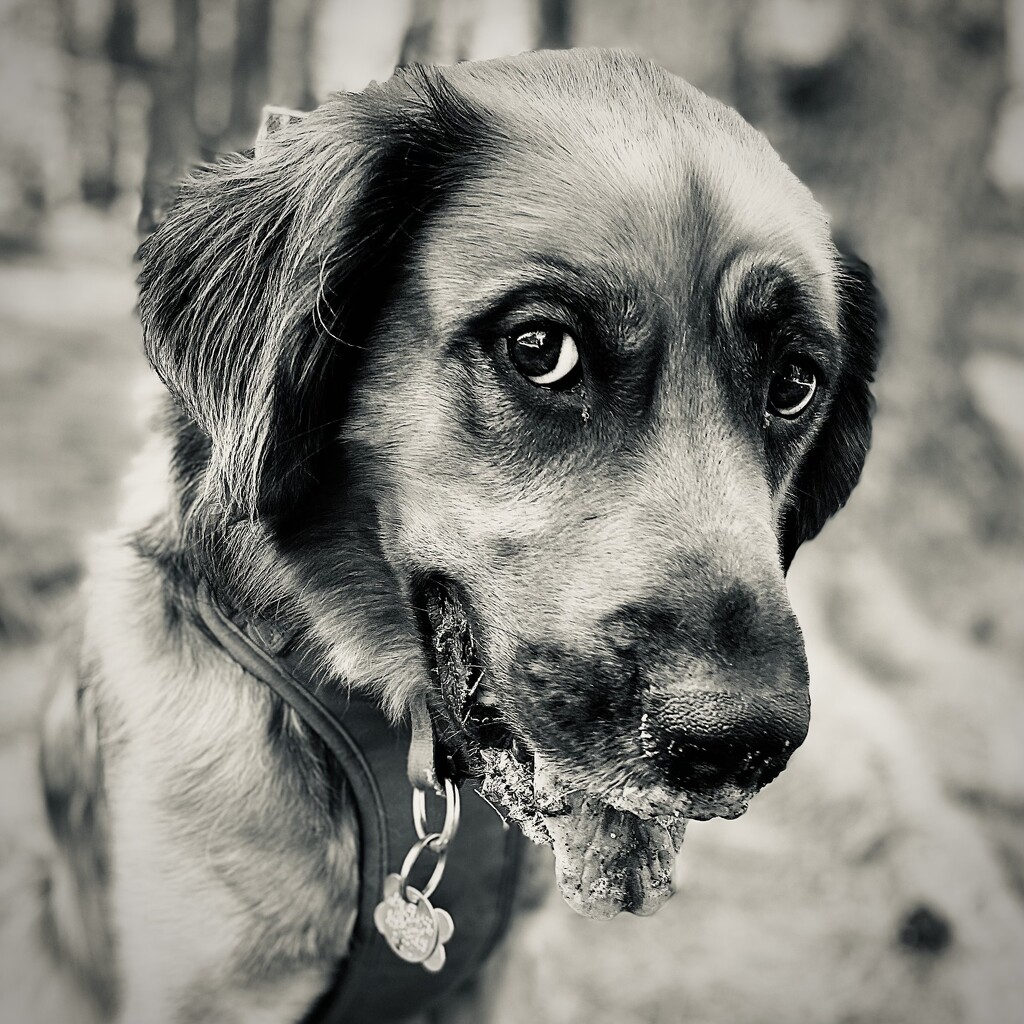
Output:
x=702 y=740
x=725 y=699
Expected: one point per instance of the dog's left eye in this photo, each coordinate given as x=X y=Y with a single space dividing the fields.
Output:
x=546 y=356
x=792 y=388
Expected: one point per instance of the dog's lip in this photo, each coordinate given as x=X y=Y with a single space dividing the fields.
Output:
x=655 y=800
x=468 y=712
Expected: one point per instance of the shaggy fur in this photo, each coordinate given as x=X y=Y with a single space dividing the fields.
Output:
x=333 y=318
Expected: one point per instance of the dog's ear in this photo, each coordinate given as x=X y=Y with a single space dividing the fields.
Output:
x=260 y=287
x=832 y=467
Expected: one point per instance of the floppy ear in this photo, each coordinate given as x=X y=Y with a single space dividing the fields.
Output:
x=832 y=467
x=260 y=287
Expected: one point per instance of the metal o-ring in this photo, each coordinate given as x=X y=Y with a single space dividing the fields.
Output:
x=452 y=810
x=410 y=862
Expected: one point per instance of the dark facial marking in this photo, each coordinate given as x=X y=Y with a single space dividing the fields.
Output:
x=734 y=619
x=765 y=318
x=570 y=702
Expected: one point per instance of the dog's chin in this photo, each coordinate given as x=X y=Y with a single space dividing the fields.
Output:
x=608 y=857
x=613 y=851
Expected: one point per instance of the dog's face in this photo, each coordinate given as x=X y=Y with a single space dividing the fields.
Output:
x=533 y=374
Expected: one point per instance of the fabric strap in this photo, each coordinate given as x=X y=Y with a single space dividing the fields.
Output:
x=376 y=758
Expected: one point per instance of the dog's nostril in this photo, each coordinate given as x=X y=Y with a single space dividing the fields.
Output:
x=707 y=765
x=704 y=739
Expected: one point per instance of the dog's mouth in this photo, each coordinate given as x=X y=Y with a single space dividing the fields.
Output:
x=613 y=852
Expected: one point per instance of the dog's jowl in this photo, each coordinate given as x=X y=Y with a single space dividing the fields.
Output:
x=499 y=398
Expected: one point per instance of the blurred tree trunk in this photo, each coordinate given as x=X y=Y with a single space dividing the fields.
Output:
x=250 y=71
x=206 y=67
x=446 y=31
x=438 y=32
x=92 y=98
x=555 y=24
x=207 y=93
x=173 y=138
x=692 y=38
x=887 y=109
x=293 y=31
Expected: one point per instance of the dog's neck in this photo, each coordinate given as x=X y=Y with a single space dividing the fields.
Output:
x=322 y=571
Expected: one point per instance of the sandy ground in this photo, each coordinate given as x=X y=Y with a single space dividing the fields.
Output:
x=880 y=879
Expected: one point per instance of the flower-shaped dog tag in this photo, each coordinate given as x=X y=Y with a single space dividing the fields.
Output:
x=414 y=929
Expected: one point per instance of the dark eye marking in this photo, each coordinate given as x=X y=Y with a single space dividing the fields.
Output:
x=780 y=330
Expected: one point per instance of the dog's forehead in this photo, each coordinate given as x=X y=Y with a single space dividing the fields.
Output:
x=631 y=175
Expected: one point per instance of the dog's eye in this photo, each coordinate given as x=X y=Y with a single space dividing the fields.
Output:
x=792 y=388
x=546 y=356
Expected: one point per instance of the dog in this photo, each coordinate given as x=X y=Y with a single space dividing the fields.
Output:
x=549 y=360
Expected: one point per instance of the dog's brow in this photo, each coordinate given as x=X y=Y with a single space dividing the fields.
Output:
x=761 y=296
x=562 y=265
x=545 y=278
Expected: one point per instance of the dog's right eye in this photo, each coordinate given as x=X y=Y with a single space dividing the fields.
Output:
x=545 y=355
x=792 y=388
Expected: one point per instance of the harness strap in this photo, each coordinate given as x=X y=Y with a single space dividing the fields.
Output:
x=374 y=986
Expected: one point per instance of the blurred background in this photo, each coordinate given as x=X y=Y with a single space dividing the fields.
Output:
x=881 y=878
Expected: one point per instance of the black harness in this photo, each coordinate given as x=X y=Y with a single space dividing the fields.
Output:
x=373 y=985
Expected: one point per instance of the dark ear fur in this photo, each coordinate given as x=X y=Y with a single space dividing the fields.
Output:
x=832 y=467
x=260 y=287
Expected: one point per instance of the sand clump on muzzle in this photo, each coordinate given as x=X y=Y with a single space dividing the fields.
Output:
x=607 y=858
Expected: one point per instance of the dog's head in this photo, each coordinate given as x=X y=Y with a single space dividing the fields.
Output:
x=526 y=379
